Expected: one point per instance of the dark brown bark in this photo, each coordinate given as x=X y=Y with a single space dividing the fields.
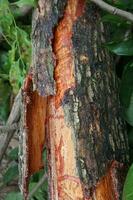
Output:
x=100 y=132
x=46 y=17
x=86 y=137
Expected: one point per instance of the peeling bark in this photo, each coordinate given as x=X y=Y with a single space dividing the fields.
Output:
x=45 y=17
x=86 y=138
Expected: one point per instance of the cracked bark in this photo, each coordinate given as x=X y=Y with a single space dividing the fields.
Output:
x=86 y=138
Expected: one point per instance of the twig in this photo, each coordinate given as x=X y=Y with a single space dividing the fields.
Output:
x=13 y=118
x=8 y=128
x=38 y=185
x=113 y=10
x=15 y=112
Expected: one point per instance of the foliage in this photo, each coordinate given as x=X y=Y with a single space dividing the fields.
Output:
x=122 y=45
x=128 y=190
x=22 y=3
x=15 y=55
x=126 y=93
x=123 y=48
x=11 y=173
x=14 y=196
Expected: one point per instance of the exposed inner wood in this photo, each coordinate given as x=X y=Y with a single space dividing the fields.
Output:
x=34 y=116
x=62 y=47
x=108 y=186
x=64 y=180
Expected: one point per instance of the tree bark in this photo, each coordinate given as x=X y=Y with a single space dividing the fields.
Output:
x=86 y=137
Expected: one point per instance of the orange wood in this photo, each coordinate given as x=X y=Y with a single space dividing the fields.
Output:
x=65 y=182
x=35 y=122
x=107 y=189
x=62 y=48
x=34 y=132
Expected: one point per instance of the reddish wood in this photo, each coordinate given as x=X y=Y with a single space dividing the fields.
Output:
x=64 y=179
x=34 y=122
x=65 y=183
x=62 y=47
x=108 y=186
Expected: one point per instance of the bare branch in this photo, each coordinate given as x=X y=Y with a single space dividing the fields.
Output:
x=13 y=118
x=15 y=112
x=38 y=185
x=8 y=128
x=113 y=10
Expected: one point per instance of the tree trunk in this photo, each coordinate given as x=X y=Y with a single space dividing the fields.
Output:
x=86 y=138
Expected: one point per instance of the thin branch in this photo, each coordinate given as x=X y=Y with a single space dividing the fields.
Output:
x=13 y=118
x=8 y=128
x=38 y=185
x=113 y=10
x=15 y=112
x=5 y=145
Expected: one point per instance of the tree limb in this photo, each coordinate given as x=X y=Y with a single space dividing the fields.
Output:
x=38 y=185
x=113 y=10
x=13 y=118
x=15 y=112
x=8 y=128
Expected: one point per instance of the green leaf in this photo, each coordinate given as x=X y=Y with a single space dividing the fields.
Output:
x=44 y=155
x=14 y=196
x=25 y=46
x=39 y=195
x=128 y=186
x=126 y=93
x=36 y=176
x=124 y=4
x=10 y=174
x=15 y=76
x=4 y=99
x=42 y=191
x=13 y=155
x=4 y=66
x=124 y=48
x=6 y=18
x=22 y=3
x=114 y=19
x=3 y=4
